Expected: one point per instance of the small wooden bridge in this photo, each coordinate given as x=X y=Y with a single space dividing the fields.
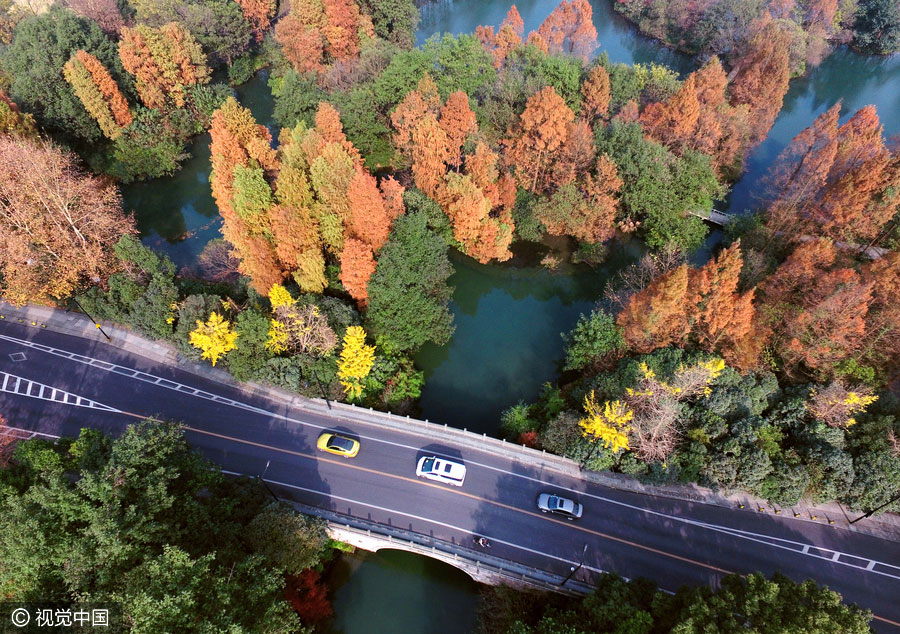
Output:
x=721 y=219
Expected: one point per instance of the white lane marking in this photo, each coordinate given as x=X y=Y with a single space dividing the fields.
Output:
x=8 y=429
x=134 y=374
x=423 y=519
x=803 y=548
x=24 y=386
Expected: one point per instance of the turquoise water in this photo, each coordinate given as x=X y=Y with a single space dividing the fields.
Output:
x=394 y=592
x=507 y=341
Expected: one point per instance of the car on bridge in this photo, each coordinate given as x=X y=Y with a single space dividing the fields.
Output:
x=558 y=505
x=337 y=444
x=441 y=470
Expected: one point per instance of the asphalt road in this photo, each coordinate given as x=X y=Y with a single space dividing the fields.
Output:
x=670 y=541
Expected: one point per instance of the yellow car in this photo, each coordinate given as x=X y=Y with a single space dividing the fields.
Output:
x=340 y=445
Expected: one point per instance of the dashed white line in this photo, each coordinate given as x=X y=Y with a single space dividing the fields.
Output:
x=131 y=373
x=792 y=546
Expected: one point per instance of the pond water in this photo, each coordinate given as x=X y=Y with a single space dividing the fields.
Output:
x=507 y=343
x=508 y=318
x=392 y=592
x=177 y=215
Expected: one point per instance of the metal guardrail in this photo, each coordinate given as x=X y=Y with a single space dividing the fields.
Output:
x=461 y=556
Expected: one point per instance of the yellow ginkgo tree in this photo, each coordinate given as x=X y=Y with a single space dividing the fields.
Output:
x=609 y=423
x=355 y=362
x=213 y=337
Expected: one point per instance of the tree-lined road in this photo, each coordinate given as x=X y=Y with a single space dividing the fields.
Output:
x=57 y=384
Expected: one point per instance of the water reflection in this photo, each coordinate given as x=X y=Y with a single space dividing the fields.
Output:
x=393 y=591
x=507 y=341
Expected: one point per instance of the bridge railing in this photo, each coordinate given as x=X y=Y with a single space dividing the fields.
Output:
x=480 y=565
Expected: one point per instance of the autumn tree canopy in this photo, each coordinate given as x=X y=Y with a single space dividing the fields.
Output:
x=99 y=93
x=569 y=29
x=165 y=63
x=537 y=140
x=238 y=143
x=508 y=36
x=13 y=121
x=698 y=117
x=833 y=180
x=283 y=211
x=58 y=223
x=760 y=76
x=315 y=33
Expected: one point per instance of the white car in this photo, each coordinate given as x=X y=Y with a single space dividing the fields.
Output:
x=442 y=470
x=558 y=505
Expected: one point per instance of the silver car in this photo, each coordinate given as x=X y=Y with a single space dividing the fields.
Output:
x=551 y=503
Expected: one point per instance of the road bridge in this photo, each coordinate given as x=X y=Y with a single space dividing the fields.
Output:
x=56 y=384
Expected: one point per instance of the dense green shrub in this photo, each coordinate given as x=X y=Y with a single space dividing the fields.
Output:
x=408 y=293
x=594 y=338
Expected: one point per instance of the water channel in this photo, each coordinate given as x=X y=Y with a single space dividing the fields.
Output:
x=508 y=318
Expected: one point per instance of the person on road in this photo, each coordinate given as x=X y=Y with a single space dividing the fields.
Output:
x=483 y=542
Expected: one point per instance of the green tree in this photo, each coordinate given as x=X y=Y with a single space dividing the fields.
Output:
x=41 y=46
x=877 y=26
x=757 y=604
x=250 y=356
x=460 y=63
x=364 y=127
x=288 y=542
x=594 y=337
x=408 y=293
x=142 y=295
x=297 y=98
x=144 y=521
x=394 y=20
x=659 y=187
x=401 y=75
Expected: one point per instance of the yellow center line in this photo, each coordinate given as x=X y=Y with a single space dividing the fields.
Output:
x=515 y=509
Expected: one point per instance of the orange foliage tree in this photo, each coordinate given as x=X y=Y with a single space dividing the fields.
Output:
x=98 y=92
x=58 y=223
x=369 y=218
x=431 y=153
x=595 y=94
x=481 y=236
x=409 y=112
x=569 y=29
x=238 y=142
x=508 y=37
x=458 y=122
x=881 y=344
x=165 y=63
x=301 y=44
x=537 y=140
x=478 y=201
x=721 y=319
x=341 y=28
x=357 y=265
x=314 y=31
x=834 y=180
x=656 y=316
x=258 y=14
x=698 y=117
x=816 y=308
x=761 y=73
